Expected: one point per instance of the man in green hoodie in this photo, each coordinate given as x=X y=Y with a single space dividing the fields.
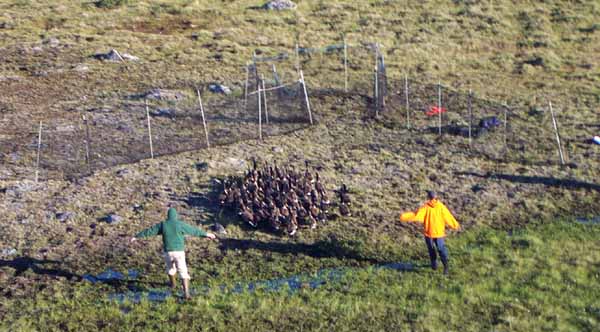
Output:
x=173 y=231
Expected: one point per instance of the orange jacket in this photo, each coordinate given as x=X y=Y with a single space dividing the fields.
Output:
x=435 y=216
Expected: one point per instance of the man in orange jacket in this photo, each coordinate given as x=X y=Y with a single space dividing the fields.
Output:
x=435 y=216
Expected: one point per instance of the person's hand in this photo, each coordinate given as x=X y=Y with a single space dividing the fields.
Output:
x=211 y=236
x=132 y=240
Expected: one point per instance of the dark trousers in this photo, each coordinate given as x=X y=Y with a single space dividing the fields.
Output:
x=432 y=245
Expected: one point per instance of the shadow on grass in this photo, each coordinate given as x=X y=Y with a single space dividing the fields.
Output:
x=38 y=266
x=547 y=181
x=331 y=248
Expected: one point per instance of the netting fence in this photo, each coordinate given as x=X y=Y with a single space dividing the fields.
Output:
x=272 y=98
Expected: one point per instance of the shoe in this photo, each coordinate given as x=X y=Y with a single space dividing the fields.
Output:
x=445 y=270
x=434 y=265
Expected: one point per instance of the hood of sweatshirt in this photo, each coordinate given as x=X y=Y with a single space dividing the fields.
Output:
x=171 y=215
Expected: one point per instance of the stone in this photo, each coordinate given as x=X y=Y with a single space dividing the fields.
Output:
x=277 y=149
x=162 y=94
x=65 y=128
x=218 y=228
x=113 y=219
x=163 y=112
x=81 y=68
x=53 y=42
x=238 y=164
x=112 y=55
x=279 y=5
x=123 y=172
x=201 y=166
x=36 y=49
x=64 y=216
x=130 y=57
x=219 y=88
x=9 y=252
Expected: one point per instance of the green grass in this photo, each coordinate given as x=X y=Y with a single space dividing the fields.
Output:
x=540 y=278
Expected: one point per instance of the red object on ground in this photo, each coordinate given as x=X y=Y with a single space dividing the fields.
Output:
x=434 y=110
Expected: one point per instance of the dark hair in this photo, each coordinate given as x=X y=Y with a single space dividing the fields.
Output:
x=431 y=194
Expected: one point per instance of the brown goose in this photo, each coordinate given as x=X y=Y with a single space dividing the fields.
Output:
x=344 y=195
x=292 y=224
x=345 y=210
x=248 y=216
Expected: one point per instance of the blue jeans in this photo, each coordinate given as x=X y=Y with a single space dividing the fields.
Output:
x=441 y=249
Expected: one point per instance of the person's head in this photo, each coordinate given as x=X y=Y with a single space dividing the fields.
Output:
x=431 y=194
x=171 y=214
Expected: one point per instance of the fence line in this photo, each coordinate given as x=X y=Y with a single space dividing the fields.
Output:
x=286 y=104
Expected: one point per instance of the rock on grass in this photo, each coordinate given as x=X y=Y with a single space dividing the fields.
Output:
x=279 y=5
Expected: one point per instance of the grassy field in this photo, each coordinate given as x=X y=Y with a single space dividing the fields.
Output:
x=520 y=262
x=540 y=278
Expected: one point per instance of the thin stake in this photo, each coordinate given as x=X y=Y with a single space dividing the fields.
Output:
x=203 y=118
x=383 y=81
x=345 y=65
x=440 y=108
x=407 y=103
x=149 y=130
x=259 y=113
x=245 y=86
x=560 y=151
x=39 y=147
x=470 y=106
x=298 y=69
x=376 y=94
x=275 y=76
x=87 y=142
x=505 y=126
x=265 y=100
x=306 y=96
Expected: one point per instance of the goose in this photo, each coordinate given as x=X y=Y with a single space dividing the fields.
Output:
x=293 y=224
x=345 y=210
x=307 y=174
x=318 y=185
x=344 y=196
x=247 y=216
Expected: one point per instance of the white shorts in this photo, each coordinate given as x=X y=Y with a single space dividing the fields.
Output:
x=175 y=261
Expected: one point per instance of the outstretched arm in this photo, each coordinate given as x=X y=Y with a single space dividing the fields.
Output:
x=152 y=231
x=418 y=216
x=195 y=231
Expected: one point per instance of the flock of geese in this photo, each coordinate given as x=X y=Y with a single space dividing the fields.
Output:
x=281 y=198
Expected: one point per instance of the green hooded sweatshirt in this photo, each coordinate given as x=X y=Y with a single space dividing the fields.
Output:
x=172 y=231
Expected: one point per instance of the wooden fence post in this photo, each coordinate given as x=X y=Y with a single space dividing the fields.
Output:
x=345 y=65
x=149 y=130
x=560 y=151
x=306 y=96
x=376 y=93
x=245 y=86
x=470 y=106
x=407 y=101
x=39 y=148
x=203 y=118
x=440 y=108
x=506 y=126
x=259 y=92
x=298 y=69
x=265 y=100
x=87 y=143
